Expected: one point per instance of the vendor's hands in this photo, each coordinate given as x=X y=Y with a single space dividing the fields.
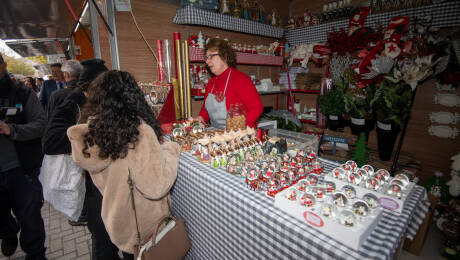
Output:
x=198 y=118
x=4 y=128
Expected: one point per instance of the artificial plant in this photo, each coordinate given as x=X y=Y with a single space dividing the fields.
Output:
x=360 y=151
x=331 y=102
x=392 y=101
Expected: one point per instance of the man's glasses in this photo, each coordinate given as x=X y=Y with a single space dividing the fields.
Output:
x=207 y=57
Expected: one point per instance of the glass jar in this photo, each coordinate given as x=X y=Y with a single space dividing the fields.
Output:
x=236 y=118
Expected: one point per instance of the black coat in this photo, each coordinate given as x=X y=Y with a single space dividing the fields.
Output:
x=64 y=114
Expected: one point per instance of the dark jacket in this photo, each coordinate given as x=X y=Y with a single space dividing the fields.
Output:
x=63 y=115
x=49 y=86
x=58 y=96
x=26 y=126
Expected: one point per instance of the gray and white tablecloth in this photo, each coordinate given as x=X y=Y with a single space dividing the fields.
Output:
x=192 y=15
x=225 y=220
x=442 y=14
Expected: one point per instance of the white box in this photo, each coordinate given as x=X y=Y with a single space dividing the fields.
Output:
x=385 y=201
x=350 y=236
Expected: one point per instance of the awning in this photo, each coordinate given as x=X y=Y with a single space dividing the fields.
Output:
x=39 y=47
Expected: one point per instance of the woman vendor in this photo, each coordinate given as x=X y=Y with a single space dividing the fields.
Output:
x=229 y=86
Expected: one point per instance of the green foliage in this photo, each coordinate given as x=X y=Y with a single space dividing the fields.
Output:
x=392 y=101
x=331 y=102
x=18 y=66
x=38 y=59
x=360 y=151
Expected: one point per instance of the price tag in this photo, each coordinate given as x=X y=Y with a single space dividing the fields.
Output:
x=383 y=126
x=388 y=203
x=358 y=121
x=333 y=117
x=313 y=219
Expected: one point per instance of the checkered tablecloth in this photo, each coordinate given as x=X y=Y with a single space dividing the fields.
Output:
x=443 y=15
x=192 y=15
x=225 y=220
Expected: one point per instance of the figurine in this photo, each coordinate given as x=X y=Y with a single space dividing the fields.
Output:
x=200 y=40
x=349 y=221
x=255 y=12
x=306 y=201
x=273 y=17
x=237 y=10
x=290 y=23
x=293 y=195
x=307 y=18
x=246 y=9
x=261 y=13
x=224 y=7
x=319 y=193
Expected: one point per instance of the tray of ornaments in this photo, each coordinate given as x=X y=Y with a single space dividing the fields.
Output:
x=346 y=213
x=391 y=192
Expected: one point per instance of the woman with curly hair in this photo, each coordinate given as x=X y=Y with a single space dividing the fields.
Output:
x=229 y=86
x=122 y=138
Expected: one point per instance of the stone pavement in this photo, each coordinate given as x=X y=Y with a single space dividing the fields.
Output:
x=63 y=241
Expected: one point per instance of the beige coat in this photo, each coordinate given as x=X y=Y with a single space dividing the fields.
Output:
x=153 y=168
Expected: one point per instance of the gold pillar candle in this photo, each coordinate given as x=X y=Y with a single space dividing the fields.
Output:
x=180 y=80
x=176 y=98
x=187 y=81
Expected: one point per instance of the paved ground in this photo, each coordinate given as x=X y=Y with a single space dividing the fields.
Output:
x=63 y=241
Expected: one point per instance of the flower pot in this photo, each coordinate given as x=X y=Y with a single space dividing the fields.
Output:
x=387 y=132
x=361 y=125
x=334 y=122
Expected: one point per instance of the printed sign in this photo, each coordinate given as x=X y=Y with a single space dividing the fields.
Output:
x=358 y=121
x=333 y=117
x=313 y=219
x=383 y=126
x=328 y=138
x=388 y=203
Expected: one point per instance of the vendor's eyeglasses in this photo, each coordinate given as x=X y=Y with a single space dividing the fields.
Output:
x=208 y=57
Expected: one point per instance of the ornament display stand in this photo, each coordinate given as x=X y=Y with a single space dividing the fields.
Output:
x=197 y=55
x=353 y=237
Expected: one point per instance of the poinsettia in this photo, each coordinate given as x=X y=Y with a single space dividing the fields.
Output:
x=412 y=71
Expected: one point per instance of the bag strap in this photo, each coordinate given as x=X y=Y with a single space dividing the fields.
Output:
x=131 y=189
x=169 y=216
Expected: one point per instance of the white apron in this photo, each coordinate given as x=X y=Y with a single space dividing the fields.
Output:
x=217 y=111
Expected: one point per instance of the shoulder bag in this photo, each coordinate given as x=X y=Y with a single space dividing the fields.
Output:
x=169 y=243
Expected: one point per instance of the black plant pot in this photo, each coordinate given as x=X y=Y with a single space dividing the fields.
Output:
x=334 y=122
x=361 y=125
x=386 y=137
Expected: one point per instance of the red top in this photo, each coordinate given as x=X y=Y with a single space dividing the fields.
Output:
x=240 y=89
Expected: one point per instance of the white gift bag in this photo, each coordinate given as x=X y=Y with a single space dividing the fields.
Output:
x=63 y=184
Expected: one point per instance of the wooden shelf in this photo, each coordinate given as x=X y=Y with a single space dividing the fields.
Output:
x=443 y=15
x=261 y=93
x=197 y=55
x=197 y=16
x=306 y=91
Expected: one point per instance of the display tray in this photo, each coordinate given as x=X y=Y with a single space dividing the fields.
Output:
x=300 y=140
x=391 y=203
x=327 y=217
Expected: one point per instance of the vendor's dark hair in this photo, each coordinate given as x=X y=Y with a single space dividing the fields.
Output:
x=224 y=49
x=115 y=108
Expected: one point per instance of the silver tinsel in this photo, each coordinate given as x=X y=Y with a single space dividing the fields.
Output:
x=380 y=65
x=338 y=65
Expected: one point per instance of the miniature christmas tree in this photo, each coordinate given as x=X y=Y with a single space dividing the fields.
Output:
x=360 y=151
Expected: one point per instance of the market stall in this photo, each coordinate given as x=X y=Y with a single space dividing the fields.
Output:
x=226 y=220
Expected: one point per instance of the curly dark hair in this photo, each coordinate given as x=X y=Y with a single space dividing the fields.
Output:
x=115 y=107
x=224 y=49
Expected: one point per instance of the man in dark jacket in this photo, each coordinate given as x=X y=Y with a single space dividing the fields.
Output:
x=55 y=140
x=52 y=85
x=21 y=129
x=60 y=118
